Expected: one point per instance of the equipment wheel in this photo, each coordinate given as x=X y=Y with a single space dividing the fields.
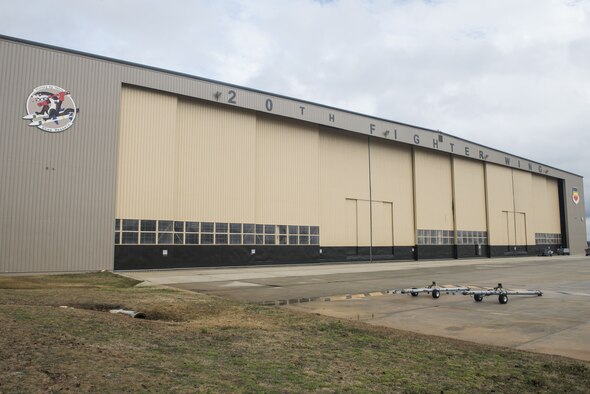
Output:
x=435 y=294
x=503 y=298
x=414 y=293
x=478 y=297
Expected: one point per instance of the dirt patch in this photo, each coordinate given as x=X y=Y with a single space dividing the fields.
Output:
x=95 y=307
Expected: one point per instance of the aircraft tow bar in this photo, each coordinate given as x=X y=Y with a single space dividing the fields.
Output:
x=501 y=292
x=478 y=293
x=434 y=290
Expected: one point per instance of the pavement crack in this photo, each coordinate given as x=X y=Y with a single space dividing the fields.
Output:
x=551 y=334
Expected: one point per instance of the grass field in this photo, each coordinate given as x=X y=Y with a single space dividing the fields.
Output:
x=56 y=334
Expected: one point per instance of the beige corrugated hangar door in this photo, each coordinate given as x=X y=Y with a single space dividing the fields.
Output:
x=546 y=204
x=523 y=207
x=145 y=187
x=432 y=179
x=344 y=179
x=434 y=204
x=345 y=205
x=471 y=235
x=382 y=224
x=351 y=225
x=392 y=191
x=359 y=227
x=287 y=175
x=188 y=165
x=500 y=204
x=470 y=199
x=510 y=209
x=213 y=163
x=547 y=224
x=363 y=223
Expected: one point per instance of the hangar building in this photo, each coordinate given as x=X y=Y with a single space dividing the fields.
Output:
x=111 y=165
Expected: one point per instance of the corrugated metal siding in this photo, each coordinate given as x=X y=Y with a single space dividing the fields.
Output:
x=523 y=203
x=363 y=210
x=469 y=194
x=391 y=178
x=382 y=224
x=510 y=206
x=184 y=160
x=575 y=215
x=499 y=189
x=57 y=201
x=147 y=155
x=344 y=174
x=434 y=205
x=546 y=205
x=287 y=172
x=215 y=165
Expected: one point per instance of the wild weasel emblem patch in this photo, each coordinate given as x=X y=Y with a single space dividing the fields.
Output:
x=575 y=196
x=51 y=108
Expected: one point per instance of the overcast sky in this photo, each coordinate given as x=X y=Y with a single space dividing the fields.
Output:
x=510 y=74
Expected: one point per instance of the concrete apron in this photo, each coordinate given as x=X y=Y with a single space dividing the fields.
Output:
x=556 y=323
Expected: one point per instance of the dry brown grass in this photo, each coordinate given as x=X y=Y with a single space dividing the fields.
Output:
x=197 y=343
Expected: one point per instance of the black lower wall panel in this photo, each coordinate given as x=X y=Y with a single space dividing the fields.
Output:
x=435 y=252
x=135 y=257
x=509 y=251
x=278 y=254
x=472 y=251
x=348 y=253
x=132 y=257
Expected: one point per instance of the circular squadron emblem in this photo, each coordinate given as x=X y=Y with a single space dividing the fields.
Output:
x=51 y=109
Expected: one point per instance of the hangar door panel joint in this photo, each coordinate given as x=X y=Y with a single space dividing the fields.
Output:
x=358 y=226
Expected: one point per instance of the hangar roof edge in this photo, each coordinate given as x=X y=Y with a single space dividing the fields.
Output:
x=191 y=76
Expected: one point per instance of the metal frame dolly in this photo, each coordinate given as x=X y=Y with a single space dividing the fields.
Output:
x=434 y=290
x=501 y=292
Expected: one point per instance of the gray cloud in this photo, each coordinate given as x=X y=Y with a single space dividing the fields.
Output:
x=510 y=75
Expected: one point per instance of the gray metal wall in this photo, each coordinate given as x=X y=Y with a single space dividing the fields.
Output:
x=575 y=214
x=57 y=189
x=57 y=204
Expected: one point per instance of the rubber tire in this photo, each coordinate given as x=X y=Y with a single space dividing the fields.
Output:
x=414 y=294
x=502 y=299
x=435 y=294
x=478 y=297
